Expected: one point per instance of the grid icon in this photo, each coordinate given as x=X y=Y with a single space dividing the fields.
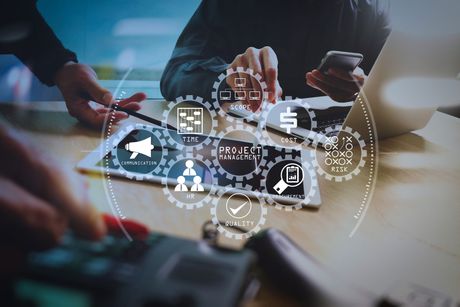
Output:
x=190 y=120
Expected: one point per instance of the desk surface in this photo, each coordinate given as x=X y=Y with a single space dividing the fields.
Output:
x=410 y=232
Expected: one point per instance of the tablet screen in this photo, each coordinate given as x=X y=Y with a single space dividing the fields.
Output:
x=258 y=168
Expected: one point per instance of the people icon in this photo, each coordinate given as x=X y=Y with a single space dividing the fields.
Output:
x=189 y=171
x=187 y=176
x=197 y=186
x=181 y=187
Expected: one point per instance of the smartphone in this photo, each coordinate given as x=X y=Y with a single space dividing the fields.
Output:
x=346 y=61
x=265 y=186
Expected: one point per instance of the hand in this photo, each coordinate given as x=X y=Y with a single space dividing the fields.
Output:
x=338 y=84
x=263 y=62
x=78 y=84
x=39 y=199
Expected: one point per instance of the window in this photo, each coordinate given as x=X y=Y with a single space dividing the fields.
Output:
x=129 y=40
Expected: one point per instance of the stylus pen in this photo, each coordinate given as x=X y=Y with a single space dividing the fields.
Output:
x=141 y=116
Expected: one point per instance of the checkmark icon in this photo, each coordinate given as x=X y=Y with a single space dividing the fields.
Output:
x=238 y=209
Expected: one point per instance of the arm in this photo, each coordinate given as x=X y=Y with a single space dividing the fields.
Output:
x=197 y=58
x=39 y=198
x=24 y=33
x=375 y=36
x=32 y=40
x=374 y=28
x=207 y=48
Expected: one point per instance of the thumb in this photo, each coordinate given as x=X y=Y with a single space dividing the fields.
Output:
x=272 y=84
x=98 y=93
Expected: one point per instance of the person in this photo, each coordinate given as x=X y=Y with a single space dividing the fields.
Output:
x=181 y=187
x=197 y=186
x=283 y=41
x=189 y=171
x=39 y=198
x=24 y=33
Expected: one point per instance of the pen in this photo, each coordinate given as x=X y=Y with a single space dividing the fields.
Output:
x=146 y=118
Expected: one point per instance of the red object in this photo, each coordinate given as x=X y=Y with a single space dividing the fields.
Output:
x=134 y=228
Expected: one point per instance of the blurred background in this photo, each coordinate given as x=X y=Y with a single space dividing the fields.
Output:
x=132 y=40
x=118 y=38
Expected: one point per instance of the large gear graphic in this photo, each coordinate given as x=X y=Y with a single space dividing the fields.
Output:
x=122 y=134
x=224 y=230
x=222 y=78
x=270 y=107
x=192 y=205
x=306 y=166
x=362 y=160
x=222 y=134
x=205 y=104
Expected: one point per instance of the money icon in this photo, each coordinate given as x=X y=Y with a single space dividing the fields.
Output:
x=288 y=120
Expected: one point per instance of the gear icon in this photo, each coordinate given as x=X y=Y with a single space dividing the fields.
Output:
x=125 y=131
x=262 y=153
x=226 y=216
x=288 y=106
x=307 y=168
x=181 y=195
x=335 y=156
x=217 y=93
x=200 y=136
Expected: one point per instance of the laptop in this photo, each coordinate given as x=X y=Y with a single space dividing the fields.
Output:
x=404 y=58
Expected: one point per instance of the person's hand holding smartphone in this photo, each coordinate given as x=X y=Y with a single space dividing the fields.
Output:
x=338 y=75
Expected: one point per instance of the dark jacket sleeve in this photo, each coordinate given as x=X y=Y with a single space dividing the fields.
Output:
x=376 y=32
x=24 y=33
x=196 y=62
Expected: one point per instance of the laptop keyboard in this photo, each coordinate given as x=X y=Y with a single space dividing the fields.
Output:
x=324 y=118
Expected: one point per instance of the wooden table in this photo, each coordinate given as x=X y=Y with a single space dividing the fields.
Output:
x=411 y=231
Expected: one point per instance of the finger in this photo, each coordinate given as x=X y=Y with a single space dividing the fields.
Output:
x=359 y=72
x=278 y=92
x=244 y=82
x=270 y=69
x=73 y=198
x=137 y=97
x=46 y=180
x=82 y=111
x=230 y=78
x=255 y=104
x=253 y=58
x=339 y=84
x=347 y=76
x=341 y=74
x=112 y=115
x=69 y=194
x=28 y=221
x=97 y=92
x=134 y=106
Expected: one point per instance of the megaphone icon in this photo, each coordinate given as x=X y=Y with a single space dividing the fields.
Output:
x=144 y=147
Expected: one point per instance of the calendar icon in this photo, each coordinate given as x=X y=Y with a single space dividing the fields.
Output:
x=190 y=120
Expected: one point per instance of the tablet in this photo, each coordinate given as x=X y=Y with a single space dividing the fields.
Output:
x=286 y=179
